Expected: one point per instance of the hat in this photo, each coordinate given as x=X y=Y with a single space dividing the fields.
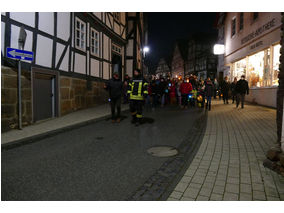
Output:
x=115 y=73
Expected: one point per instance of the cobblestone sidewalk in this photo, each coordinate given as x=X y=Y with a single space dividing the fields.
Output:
x=229 y=163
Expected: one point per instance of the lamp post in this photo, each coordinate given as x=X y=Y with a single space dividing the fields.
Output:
x=21 y=45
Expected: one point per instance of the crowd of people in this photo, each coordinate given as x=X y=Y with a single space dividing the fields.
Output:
x=185 y=93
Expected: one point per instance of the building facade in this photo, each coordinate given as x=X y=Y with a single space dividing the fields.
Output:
x=179 y=56
x=163 y=69
x=201 y=61
x=74 y=54
x=252 y=48
x=222 y=70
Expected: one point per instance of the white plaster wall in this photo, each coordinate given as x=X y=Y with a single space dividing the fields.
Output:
x=263 y=96
x=59 y=51
x=63 y=25
x=80 y=63
x=14 y=39
x=44 y=51
x=129 y=67
x=106 y=47
x=27 y=18
x=97 y=14
x=46 y=22
x=106 y=71
x=65 y=61
x=95 y=68
x=2 y=37
x=129 y=48
x=116 y=28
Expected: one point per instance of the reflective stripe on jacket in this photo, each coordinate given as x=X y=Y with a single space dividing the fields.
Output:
x=137 y=89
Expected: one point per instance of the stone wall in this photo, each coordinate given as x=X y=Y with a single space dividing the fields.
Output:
x=75 y=94
x=9 y=98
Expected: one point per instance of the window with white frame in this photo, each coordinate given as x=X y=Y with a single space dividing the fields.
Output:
x=116 y=49
x=94 y=42
x=80 y=34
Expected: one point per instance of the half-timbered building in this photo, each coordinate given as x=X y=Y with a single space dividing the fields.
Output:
x=74 y=54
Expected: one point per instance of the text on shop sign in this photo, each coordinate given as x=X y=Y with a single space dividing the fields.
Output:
x=259 y=31
x=256 y=45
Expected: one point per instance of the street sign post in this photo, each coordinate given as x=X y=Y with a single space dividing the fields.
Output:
x=20 y=55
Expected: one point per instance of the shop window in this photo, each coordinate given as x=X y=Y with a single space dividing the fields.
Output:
x=266 y=71
x=255 y=69
x=240 y=68
x=233 y=27
x=241 y=26
x=276 y=62
x=80 y=35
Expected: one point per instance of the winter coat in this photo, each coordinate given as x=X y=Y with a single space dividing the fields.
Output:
x=185 y=88
x=233 y=88
x=114 y=86
x=209 y=89
x=225 y=87
x=242 y=87
x=172 y=90
x=162 y=87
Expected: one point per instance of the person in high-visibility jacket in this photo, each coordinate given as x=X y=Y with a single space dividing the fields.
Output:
x=137 y=91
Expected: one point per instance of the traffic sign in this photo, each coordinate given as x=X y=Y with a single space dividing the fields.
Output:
x=19 y=54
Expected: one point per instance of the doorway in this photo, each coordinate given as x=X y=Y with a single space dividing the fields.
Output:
x=116 y=65
x=44 y=96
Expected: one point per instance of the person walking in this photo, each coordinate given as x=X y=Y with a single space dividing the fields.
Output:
x=209 y=92
x=233 y=89
x=225 y=88
x=242 y=89
x=185 y=89
x=115 y=89
x=137 y=91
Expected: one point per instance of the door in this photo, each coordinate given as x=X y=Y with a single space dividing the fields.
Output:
x=43 y=93
x=117 y=65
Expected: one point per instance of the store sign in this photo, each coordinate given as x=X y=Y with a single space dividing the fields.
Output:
x=259 y=31
x=259 y=43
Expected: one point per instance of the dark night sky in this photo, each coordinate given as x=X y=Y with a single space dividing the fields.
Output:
x=164 y=28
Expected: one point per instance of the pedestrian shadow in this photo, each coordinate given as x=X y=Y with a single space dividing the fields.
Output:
x=148 y=120
x=122 y=117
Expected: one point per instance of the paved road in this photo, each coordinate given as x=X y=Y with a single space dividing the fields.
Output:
x=101 y=161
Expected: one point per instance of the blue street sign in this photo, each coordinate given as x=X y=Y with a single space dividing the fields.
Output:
x=19 y=54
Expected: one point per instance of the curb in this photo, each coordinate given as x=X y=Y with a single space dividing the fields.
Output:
x=160 y=185
x=35 y=138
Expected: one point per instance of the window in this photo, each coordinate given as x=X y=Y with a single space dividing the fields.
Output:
x=80 y=34
x=255 y=16
x=240 y=68
x=276 y=62
x=94 y=42
x=116 y=16
x=116 y=49
x=233 y=26
x=241 y=26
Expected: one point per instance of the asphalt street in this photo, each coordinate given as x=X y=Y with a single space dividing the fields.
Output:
x=100 y=161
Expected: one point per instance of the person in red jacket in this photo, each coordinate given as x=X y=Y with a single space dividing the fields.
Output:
x=185 y=88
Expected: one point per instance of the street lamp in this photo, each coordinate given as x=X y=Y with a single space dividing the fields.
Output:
x=219 y=49
x=145 y=50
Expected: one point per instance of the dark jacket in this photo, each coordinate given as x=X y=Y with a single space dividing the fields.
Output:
x=225 y=87
x=162 y=87
x=114 y=86
x=242 y=87
x=233 y=88
x=209 y=89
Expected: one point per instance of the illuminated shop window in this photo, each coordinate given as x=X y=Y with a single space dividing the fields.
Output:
x=240 y=68
x=255 y=69
x=266 y=71
x=276 y=62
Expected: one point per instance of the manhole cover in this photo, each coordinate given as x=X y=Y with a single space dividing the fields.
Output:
x=162 y=151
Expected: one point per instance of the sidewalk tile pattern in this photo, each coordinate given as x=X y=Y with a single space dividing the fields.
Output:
x=229 y=163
